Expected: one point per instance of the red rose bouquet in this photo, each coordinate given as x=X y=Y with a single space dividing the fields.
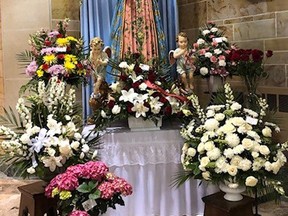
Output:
x=249 y=65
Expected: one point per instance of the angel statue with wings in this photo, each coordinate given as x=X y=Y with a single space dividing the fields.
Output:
x=185 y=61
x=99 y=58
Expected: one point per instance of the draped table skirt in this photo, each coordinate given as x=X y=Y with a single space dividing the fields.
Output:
x=149 y=161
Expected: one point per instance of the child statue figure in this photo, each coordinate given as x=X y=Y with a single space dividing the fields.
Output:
x=99 y=60
x=185 y=62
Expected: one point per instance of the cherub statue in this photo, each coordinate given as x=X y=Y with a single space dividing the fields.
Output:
x=185 y=61
x=99 y=58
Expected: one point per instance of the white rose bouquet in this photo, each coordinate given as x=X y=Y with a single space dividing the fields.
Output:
x=50 y=138
x=230 y=143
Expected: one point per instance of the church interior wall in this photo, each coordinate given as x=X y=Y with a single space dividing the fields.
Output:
x=260 y=24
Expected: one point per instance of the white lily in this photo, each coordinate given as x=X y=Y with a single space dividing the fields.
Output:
x=116 y=87
x=155 y=105
x=52 y=162
x=134 y=77
x=141 y=97
x=123 y=64
x=128 y=95
x=140 y=109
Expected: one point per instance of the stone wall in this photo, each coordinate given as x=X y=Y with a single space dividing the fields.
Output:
x=1 y=68
x=19 y=19
x=260 y=24
x=15 y=29
x=68 y=9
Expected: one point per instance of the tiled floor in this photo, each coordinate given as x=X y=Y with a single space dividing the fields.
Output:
x=10 y=198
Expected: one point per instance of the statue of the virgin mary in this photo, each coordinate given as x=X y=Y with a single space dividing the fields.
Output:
x=137 y=28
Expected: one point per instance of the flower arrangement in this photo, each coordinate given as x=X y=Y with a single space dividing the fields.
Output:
x=51 y=138
x=230 y=143
x=54 y=53
x=211 y=51
x=139 y=92
x=87 y=189
x=248 y=64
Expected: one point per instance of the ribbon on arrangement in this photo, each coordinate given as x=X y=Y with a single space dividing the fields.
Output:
x=162 y=91
x=37 y=142
x=37 y=145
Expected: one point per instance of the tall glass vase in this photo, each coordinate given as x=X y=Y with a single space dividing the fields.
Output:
x=214 y=83
x=252 y=95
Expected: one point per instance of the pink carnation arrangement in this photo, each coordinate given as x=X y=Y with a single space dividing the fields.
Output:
x=87 y=189
x=211 y=51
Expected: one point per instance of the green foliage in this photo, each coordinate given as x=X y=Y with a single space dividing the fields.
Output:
x=10 y=117
x=87 y=187
x=24 y=58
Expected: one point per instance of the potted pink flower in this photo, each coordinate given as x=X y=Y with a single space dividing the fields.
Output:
x=87 y=189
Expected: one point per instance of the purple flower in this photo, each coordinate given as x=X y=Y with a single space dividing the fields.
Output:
x=31 y=68
x=48 y=50
x=53 y=34
x=56 y=69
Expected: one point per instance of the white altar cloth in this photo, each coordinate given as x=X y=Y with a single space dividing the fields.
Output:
x=149 y=161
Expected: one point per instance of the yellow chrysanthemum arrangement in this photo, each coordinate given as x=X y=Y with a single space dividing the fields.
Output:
x=53 y=53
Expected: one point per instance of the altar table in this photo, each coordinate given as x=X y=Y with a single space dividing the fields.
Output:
x=149 y=161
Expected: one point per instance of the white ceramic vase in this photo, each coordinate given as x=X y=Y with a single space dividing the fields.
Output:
x=139 y=124
x=232 y=194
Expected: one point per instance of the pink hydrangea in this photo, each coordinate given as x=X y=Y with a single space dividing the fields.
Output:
x=107 y=183
x=53 y=184
x=68 y=181
x=107 y=190
x=79 y=213
x=121 y=186
x=77 y=170
x=95 y=170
